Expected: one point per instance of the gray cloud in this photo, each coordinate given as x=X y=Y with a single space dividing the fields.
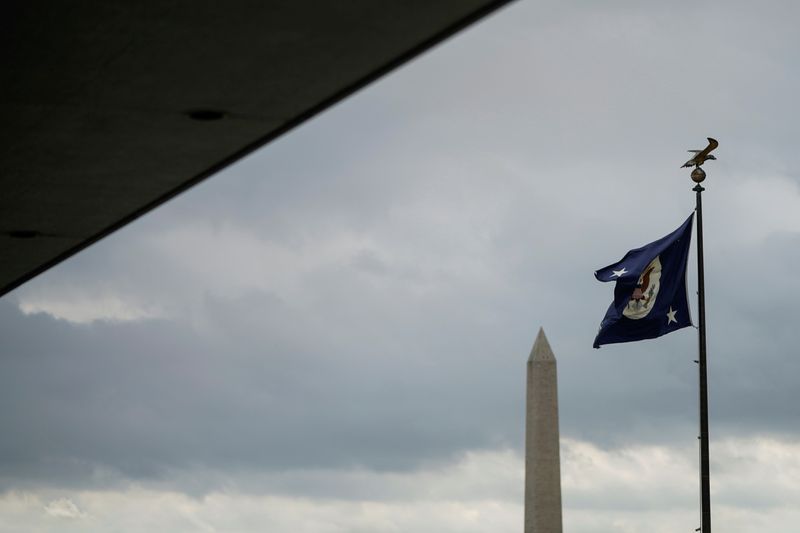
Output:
x=364 y=291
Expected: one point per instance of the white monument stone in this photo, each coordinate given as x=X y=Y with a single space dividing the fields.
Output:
x=542 y=459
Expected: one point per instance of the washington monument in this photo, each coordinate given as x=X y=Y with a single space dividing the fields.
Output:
x=542 y=459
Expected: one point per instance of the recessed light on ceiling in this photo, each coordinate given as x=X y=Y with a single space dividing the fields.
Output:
x=206 y=115
x=23 y=233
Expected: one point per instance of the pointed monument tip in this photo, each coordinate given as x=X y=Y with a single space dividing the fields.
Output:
x=541 y=349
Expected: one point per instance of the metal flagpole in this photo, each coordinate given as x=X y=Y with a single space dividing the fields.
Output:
x=698 y=175
x=705 y=490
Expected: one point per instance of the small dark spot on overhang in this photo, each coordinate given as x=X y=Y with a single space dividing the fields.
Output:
x=206 y=115
x=23 y=233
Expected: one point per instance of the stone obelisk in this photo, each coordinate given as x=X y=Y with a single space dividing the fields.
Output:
x=542 y=460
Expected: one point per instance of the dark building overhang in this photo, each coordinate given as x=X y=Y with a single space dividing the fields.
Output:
x=111 y=108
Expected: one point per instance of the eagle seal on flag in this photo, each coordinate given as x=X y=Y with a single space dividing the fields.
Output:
x=650 y=297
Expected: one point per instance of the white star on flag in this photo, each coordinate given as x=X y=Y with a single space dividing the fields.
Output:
x=671 y=316
x=618 y=273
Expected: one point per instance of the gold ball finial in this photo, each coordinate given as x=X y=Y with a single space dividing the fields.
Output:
x=698 y=175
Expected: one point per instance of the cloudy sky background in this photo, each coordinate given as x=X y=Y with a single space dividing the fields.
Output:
x=331 y=335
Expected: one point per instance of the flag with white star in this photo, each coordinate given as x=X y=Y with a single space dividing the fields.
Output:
x=650 y=297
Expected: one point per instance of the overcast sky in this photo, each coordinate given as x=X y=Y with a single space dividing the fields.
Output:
x=331 y=335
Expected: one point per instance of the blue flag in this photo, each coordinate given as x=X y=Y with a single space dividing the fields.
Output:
x=650 y=297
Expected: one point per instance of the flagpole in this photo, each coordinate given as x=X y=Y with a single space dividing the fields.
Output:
x=705 y=490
